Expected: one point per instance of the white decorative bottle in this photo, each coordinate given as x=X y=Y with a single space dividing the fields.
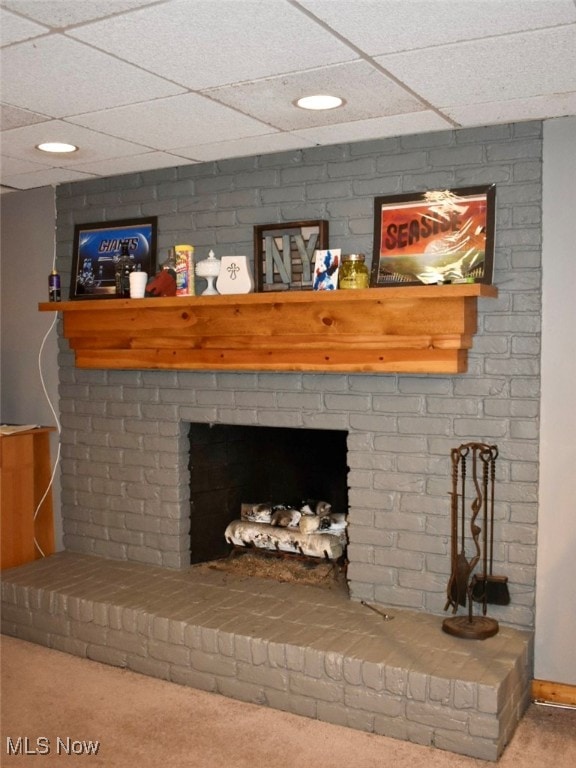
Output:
x=209 y=269
x=235 y=275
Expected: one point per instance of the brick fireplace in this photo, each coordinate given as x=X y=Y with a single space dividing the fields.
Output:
x=125 y=471
x=126 y=479
x=124 y=592
x=125 y=476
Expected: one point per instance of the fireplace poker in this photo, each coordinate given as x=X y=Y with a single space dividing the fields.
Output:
x=385 y=616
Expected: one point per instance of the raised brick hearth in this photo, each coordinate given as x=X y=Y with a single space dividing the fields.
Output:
x=306 y=650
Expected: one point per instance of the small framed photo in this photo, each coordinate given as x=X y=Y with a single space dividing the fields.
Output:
x=284 y=254
x=326 y=269
x=435 y=237
x=97 y=248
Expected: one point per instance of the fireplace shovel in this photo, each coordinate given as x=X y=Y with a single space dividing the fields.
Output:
x=488 y=587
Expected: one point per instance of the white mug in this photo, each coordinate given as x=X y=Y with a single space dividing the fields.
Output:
x=138 y=282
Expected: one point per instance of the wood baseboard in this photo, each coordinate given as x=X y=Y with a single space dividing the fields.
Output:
x=555 y=693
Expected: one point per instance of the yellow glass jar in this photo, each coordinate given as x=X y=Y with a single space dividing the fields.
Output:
x=353 y=272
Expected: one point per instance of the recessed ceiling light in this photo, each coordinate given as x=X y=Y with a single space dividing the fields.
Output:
x=320 y=101
x=56 y=146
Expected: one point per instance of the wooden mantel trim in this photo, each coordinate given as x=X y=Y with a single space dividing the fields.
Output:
x=411 y=329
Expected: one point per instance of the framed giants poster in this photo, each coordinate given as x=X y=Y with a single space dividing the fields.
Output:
x=97 y=249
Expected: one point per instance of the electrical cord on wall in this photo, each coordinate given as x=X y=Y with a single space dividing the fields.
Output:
x=58 y=427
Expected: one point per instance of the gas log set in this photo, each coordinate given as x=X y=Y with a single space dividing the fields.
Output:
x=308 y=529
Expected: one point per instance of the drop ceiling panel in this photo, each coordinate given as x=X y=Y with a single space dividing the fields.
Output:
x=535 y=108
x=14 y=117
x=204 y=44
x=45 y=178
x=94 y=147
x=13 y=165
x=147 y=161
x=175 y=122
x=80 y=79
x=366 y=91
x=535 y=63
x=251 y=145
x=15 y=28
x=375 y=128
x=388 y=26
x=63 y=13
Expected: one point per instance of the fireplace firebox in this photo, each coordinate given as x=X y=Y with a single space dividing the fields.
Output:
x=231 y=465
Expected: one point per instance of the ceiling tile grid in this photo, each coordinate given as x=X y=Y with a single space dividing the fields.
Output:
x=171 y=123
x=202 y=44
x=380 y=27
x=78 y=78
x=134 y=83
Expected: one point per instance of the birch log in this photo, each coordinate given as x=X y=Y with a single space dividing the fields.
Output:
x=323 y=545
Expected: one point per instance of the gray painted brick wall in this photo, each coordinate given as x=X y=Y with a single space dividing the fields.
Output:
x=124 y=445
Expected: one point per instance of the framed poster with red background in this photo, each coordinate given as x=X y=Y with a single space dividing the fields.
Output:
x=434 y=237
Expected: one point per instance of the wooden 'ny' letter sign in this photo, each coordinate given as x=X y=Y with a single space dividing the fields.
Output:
x=284 y=254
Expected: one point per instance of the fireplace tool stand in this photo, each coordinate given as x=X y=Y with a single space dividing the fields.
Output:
x=465 y=586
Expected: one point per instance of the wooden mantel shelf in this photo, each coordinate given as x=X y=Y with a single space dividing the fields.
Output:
x=410 y=329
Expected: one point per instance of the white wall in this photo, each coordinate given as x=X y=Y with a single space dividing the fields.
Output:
x=27 y=252
x=556 y=571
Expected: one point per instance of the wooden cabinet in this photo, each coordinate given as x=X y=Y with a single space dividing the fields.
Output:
x=25 y=471
x=415 y=329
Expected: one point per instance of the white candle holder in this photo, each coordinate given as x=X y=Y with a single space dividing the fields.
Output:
x=209 y=269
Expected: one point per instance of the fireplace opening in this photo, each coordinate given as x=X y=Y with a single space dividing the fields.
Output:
x=232 y=465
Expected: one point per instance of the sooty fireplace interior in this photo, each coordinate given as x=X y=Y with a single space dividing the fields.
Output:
x=234 y=465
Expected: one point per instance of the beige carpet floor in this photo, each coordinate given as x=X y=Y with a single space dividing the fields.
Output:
x=148 y=723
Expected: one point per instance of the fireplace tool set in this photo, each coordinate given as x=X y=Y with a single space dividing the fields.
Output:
x=473 y=526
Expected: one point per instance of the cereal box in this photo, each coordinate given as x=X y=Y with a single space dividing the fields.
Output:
x=184 y=270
